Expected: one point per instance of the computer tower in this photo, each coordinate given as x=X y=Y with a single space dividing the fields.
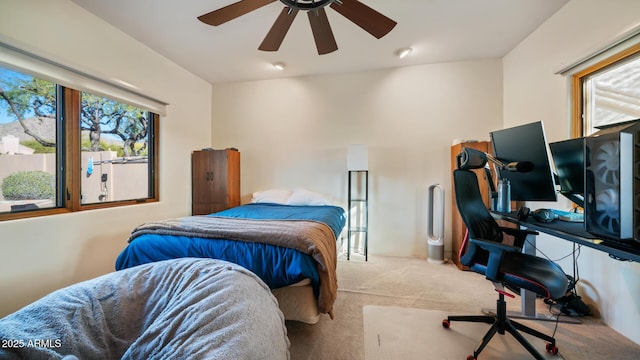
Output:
x=612 y=182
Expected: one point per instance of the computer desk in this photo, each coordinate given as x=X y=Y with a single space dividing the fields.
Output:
x=570 y=231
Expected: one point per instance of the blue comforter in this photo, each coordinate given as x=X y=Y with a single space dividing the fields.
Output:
x=276 y=266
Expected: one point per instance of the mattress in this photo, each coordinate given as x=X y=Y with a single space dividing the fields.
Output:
x=298 y=302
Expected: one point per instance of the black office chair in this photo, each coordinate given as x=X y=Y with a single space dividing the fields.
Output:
x=502 y=264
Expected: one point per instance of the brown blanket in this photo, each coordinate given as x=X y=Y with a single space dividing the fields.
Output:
x=309 y=237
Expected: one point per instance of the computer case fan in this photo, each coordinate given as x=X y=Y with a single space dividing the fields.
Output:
x=612 y=182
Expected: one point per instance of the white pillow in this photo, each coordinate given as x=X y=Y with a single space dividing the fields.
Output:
x=274 y=196
x=307 y=197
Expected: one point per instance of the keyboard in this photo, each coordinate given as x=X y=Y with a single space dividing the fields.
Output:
x=569 y=216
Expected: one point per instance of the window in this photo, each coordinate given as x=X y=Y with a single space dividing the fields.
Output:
x=29 y=146
x=114 y=142
x=607 y=92
x=63 y=149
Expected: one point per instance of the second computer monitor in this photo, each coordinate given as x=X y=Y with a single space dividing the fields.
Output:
x=568 y=157
x=525 y=144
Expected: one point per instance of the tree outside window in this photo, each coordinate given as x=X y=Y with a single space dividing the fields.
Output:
x=112 y=160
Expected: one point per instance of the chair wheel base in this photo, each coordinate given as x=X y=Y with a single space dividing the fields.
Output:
x=446 y=323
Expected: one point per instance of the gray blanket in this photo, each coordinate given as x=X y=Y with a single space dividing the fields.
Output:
x=175 y=309
x=309 y=237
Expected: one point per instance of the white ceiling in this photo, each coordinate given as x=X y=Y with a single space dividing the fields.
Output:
x=437 y=30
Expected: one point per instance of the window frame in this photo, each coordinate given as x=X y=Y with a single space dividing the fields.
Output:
x=68 y=162
x=577 y=82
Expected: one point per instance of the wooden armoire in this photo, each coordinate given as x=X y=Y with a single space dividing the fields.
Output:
x=458 y=229
x=215 y=180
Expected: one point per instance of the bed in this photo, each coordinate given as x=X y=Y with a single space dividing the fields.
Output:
x=292 y=248
x=173 y=309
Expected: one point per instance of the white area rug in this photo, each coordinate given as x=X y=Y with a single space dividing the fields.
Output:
x=392 y=332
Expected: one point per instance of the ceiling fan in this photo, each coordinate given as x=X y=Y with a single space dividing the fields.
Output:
x=367 y=18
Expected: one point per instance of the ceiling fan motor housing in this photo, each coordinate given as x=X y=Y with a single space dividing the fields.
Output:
x=309 y=4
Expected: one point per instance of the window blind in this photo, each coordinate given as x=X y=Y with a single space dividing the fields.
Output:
x=32 y=64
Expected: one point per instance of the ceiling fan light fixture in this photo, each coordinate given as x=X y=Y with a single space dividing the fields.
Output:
x=403 y=52
x=279 y=65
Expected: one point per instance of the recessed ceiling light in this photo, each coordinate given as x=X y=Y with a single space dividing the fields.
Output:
x=279 y=65
x=404 y=52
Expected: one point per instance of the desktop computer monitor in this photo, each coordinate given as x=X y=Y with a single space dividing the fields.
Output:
x=525 y=144
x=568 y=158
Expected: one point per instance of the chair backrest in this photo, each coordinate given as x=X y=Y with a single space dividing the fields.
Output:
x=542 y=276
x=479 y=222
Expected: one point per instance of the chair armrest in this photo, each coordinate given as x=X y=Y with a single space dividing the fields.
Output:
x=496 y=252
x=492 y=246
x=519 y=235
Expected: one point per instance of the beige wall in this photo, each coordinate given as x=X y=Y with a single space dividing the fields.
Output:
x=533 y=92
x=296 y=132
x=40 y=255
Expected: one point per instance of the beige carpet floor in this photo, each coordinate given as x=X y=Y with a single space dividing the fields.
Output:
x=416 y=283
x=392 y=332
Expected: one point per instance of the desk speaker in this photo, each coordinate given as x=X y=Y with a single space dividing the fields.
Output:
x=612 y=182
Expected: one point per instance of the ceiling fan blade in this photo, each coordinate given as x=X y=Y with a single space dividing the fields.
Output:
x=232 y=11
x=370 y=20
x=325 y=42
x=280 y=27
